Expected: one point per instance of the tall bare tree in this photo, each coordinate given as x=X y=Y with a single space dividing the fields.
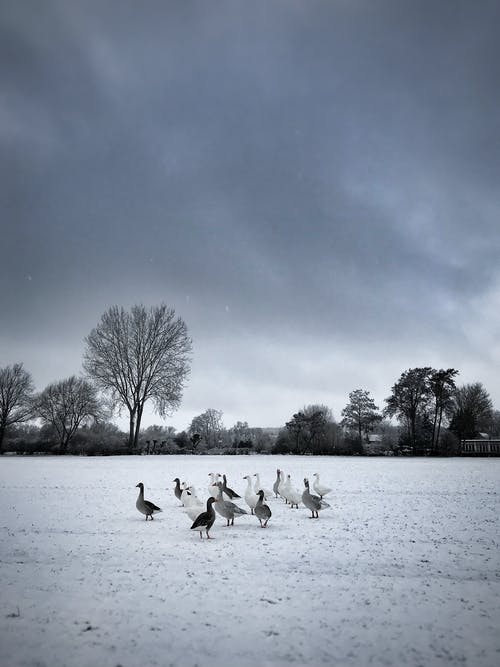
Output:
x=139 y=356
x=16 y=392
x=66 y=405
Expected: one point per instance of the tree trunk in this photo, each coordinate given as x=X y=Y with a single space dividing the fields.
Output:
x=434 y=425
x=63 y=445
x=413 y=434
x=439 y=425
x=2 y=433
x=131 y=431
x=138 y=427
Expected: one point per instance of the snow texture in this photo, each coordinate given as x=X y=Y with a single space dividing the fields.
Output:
x=402 y=570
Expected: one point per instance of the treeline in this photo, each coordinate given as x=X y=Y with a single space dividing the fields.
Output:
x=143 y=356
x=425 y=414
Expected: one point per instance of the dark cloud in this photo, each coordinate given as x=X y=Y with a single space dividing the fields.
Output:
x=277 y=171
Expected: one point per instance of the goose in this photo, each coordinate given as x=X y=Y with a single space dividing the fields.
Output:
x=319 y=488
x=227 y=509
x=294 y=496
x=313 y=503
x=281 y=484
x=193 y=498
x=193 y=507
x=145 y=506
x=177 y=490
x=277 y=483
x=205 y=519
x=262 y=511
x=213 y=489
x=285 y=488
x=186 y=494
x=251 y=498
x=258 y=486
x=229 y=492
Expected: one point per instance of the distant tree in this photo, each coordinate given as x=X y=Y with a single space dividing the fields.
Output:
x=360 y=414
x=209 y=427
x=195 y=439
x=66 y=405
x=160 y=438
x=139 y=356
x=409 y=400
x=240 y=432
x=442 y=387
x=283 y=443
x=16 y=394
x=494 y=425
x=471 y=410
x=100 y=438
x=309 y=429
x=181 y=439
x=261 y=441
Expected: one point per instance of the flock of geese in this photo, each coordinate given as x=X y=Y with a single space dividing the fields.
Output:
x=221 y=497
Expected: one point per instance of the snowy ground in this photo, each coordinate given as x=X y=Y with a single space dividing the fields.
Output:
x=403 y=570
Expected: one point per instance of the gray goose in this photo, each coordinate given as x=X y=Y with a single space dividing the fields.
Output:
x=226 y=508
x=313 y=503
x=276 y=484
x=145 y=506
x=205 y=520
x=229 y=492
x=177 y=490
x=261 y=510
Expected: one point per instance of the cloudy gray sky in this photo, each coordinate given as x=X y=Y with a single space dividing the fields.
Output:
x=313 y=186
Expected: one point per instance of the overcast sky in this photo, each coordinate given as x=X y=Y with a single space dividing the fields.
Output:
x=313 y=186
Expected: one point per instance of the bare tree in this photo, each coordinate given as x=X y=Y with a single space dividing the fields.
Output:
x=66 y=405
x=139 y=356
x=16 y=393
x=208 y=426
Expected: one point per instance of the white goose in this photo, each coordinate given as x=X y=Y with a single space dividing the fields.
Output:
x=294 y=496
x=277 y=483
x=258 y=487
x=213 y=489
x=251 y=498
x=185 y=493
x=281 y=484
x=319 y=488
x=285 y=488
x=193 y=507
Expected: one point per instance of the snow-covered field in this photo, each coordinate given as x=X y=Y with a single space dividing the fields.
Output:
x=403 y=570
